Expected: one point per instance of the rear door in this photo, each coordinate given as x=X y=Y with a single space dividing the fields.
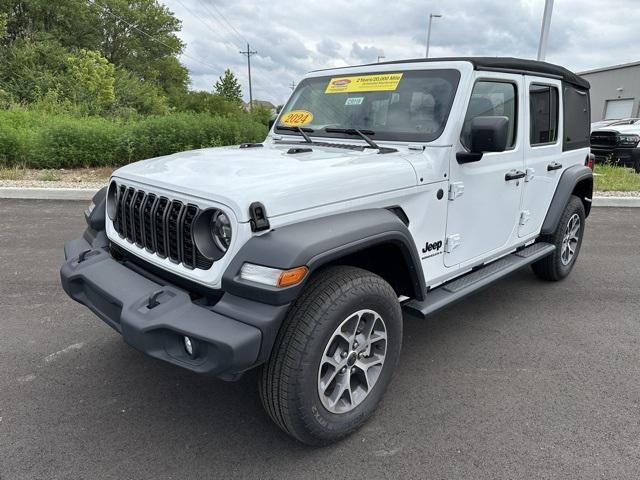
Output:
x=542 y=151
x=484 y=204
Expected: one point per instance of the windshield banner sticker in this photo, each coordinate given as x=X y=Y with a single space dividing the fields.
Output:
x=297 y=118
x=364 y=83
x=353 y=101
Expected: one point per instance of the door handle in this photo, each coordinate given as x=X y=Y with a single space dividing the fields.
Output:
x=554 y=166
x=514 y=175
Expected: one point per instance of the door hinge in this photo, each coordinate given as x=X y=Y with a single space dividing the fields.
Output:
x=530 y=173
x=456 y=189
x=525 y=216
x=452 y=242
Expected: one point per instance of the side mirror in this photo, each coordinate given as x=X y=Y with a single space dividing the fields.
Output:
x=488 y=134
x=272 y=121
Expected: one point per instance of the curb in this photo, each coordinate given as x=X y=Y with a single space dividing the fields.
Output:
x=624 y=202
x=47 y=193
x=88 y=193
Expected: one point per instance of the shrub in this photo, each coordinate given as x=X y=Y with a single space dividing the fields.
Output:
x=38 y=139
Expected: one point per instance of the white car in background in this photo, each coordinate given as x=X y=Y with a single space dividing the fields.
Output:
x=617 y=143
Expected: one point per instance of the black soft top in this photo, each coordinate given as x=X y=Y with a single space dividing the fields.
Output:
x=507 y=64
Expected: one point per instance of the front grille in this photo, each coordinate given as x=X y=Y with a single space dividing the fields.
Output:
x=160 y=226
x=604 y=139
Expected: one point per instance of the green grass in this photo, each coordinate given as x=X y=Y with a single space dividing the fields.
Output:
x=11 y=173
x=609 y=178
x=48 y=176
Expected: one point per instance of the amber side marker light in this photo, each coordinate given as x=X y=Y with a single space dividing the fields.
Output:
x=292 y=277
x=274 y=277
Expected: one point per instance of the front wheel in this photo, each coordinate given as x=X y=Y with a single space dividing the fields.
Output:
x=568 y=239
x=334 y=356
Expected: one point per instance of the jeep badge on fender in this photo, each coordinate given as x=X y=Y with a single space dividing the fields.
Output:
x=298 y=258
x=432 y=246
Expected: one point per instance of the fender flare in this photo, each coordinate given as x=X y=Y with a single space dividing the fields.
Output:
x=315 y=243
x=96 y=220
x=570 y=178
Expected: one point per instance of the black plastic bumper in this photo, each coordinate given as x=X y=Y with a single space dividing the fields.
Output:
x=623 y=156
x=231 y=336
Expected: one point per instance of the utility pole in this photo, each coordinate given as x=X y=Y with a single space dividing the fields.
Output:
x=544 y=33
x=292 y=86
x=248 y=53
x=431 y=17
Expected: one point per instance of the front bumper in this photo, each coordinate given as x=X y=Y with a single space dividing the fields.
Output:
x=623 y=156
x=231 y=336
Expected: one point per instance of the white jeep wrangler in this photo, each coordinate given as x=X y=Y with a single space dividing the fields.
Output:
x=380 y=188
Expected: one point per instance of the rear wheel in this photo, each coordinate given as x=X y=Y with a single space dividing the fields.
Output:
x=568 y=239
x=334 y=356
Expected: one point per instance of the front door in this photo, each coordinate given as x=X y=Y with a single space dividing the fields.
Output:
x=485 y=196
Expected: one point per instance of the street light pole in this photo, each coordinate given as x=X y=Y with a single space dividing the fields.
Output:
x=544 y=33
x=380 y=56
x=431 y=17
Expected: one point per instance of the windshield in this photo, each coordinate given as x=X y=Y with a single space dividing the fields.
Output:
x=404 y=106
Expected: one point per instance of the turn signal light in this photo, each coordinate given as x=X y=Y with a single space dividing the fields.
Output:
x=292 y=277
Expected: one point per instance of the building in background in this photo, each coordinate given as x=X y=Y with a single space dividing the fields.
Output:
x=615 y=91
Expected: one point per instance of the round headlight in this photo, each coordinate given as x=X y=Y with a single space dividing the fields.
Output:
x=112 y=200
x=221 y=230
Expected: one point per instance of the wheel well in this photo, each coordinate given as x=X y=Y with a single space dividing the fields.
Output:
x=390 y=262
x=584 y=190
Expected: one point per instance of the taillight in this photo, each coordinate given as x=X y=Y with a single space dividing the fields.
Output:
x=590 y=161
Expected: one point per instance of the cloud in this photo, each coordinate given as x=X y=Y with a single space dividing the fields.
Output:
x=328 y=47
x=365 y=54
x=292 y=38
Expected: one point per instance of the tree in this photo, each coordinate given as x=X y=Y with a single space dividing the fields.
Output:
x=92 y=80
x=137 y=35
x=228 y=87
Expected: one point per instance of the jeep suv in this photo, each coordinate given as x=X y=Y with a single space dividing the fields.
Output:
x=399 y=186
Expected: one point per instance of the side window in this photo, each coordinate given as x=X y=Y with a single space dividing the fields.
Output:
x=576 y=118
x=543 y=114
x=490 y=99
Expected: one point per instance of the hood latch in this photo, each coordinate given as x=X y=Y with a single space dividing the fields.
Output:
x=258 y=217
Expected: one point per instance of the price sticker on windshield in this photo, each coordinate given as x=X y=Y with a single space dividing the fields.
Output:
x=384 y=82
x=297 y=118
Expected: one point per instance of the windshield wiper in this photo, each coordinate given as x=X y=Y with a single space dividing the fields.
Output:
x=363 y=134
x=302 y=131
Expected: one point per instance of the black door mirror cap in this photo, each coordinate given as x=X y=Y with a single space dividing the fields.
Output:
x=489 y=134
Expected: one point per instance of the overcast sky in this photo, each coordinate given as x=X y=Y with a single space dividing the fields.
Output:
x=294 y=37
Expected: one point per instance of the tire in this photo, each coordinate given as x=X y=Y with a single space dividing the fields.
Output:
x=636 y=164
x=301 y=363
x=559 y=264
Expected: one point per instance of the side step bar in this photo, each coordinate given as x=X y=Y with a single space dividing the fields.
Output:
x=475 y=280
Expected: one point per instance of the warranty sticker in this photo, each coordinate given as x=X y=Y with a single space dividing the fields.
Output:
x=297 y=118
x=364 y=83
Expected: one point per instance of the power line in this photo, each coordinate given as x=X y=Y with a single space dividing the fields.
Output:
x=215 y=32
x=107 y=10
x=213 y=16
x=248 y=53
x=240 y=36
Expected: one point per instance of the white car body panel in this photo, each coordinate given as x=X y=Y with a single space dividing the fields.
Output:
x=298 y=187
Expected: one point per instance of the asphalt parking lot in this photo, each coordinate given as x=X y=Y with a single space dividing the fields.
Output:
x=524 y=380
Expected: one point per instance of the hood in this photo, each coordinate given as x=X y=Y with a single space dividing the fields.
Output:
x=624 y=129
x=282 y=182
